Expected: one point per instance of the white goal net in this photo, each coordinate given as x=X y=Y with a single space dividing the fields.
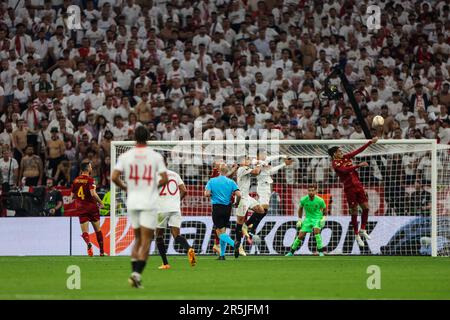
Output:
x=407 y=184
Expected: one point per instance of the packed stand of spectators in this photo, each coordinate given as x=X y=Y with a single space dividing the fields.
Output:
x=227 y=67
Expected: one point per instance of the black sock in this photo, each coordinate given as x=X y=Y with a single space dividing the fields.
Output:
x=181 y=241
x=133 y=265
x=238 y=232
x=162 y=250
x=140 y=265
x=258 y=220
x=251 y=220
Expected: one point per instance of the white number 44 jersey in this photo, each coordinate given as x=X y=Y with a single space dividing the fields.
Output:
x=169 y=195
x=141 y=167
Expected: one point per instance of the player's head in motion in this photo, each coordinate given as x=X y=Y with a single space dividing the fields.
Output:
x=335 y=153
x=261 y=155
x=86 y=168
x=141 y=135
x=245 y=161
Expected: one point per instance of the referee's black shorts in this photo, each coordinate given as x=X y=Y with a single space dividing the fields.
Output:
x=221 y=215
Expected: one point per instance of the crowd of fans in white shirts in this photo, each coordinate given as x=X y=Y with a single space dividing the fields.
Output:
x=227 y=68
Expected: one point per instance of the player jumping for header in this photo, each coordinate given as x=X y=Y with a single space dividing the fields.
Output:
x=263 y=188
x=244 y=174
x=315 y=208
x=353 y=188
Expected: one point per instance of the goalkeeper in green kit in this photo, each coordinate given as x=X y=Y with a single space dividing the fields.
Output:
x=315 y=208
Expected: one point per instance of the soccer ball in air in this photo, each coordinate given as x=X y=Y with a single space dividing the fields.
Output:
x=377 y=121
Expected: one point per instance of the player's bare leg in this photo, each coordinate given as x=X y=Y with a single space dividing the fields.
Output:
x=135 y=278
x=364 y=218
x=162 y=249
x=99 y=235
x=182 y=242
x=216 y=247
x=354 y=217
x=318 y=238
x=85 y=235
x=296 y=244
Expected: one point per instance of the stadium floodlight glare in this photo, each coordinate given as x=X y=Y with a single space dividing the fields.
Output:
x=407 y=181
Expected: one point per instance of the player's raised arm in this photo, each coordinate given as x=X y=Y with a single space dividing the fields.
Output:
x=361 y=149
x=233 y=170
x=286 y=162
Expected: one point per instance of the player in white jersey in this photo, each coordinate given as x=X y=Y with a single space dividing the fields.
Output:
x=169 y=214
x=144 y=171
x=264 y=185
x=244 y=174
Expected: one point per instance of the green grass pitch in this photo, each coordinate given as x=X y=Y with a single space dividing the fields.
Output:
x=262 y=277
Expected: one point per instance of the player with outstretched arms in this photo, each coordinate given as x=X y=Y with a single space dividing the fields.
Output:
x=88 y=204
x=169 y=214
x=264 y=186
x=144 y=171
x=353 y=188
x=315 y=209
x=244 y=174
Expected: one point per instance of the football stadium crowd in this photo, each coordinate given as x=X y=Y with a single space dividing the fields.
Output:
x=69 y=86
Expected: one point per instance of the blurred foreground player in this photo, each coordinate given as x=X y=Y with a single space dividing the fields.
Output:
x=353 y=188
x=88 y=205
x=144 y=171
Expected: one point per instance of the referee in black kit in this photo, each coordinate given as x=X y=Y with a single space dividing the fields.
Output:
x=221 y=189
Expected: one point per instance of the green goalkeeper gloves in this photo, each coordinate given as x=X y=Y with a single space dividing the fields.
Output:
x=299 y=224
x=322 y=222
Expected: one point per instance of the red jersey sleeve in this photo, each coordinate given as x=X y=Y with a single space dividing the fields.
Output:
x=339 y=167
x=358 y=151
x=91 y=184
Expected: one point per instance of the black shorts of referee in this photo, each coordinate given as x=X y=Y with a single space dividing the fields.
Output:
x=221 y=214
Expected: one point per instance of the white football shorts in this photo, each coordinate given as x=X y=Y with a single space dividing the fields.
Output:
x=264 y=197
x=171 y=219
x=245 y=204
x=143 y=218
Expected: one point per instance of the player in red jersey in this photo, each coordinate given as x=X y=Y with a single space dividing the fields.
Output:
x=88 y=204
x=353 y=188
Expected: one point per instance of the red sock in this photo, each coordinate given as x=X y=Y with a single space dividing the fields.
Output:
x=364 y=218
x=355 y=223
x=216 y=238
x=99 y=235
x=85 y=237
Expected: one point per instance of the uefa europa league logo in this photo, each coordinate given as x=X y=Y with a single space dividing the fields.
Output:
x=74 y=18
x=374 y=20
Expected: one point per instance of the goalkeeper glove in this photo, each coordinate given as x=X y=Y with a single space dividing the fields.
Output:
x=322 y=222
x=299 y=224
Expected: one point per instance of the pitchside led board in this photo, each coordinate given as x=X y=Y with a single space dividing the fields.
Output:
x=61 y=236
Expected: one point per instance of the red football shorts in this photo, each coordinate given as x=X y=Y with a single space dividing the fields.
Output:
x=355 y=197
x=89 y=212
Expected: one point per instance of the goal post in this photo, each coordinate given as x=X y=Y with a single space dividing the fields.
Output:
x=407 y=182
